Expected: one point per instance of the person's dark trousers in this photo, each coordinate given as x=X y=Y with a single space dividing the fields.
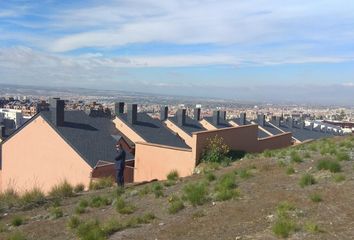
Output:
x=120 y=177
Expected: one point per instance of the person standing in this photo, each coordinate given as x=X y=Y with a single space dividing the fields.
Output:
x=120 y=165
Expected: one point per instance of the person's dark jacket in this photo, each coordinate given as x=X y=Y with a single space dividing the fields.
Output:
x=120 y=160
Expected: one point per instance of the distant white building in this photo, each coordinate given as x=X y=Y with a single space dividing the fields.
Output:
x=11 y=118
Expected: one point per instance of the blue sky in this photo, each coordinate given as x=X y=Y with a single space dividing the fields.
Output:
x=267 y=50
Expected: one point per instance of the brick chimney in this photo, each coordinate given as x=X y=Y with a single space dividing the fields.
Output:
x=163 y=113
x=132 y=113
x=197 y=114
x=277 y=121
x=290 y=121
x=181 y=117
x=56 y=107
x=223 y=115
x=118 y=108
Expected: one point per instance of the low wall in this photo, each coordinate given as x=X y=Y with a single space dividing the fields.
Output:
x=241 y=138
x=153 y=161
x=108 y=170
x=275 y=142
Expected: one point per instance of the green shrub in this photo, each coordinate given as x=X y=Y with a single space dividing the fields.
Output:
x=216 y=150
x=17 y=221
x=99 y=201
x=307 y=155
x=306 y=180
x=33 y=197
x=316 y=197
x=146 y=218
x=122 y=207
x=210 y=176
x=283 y=227
x=312 y=227
x=176 y=204
x=112 y=226
x=16 y=236
x=342 y=156
x=90 y=230
x=268 y=153
x=281 y=163
x=145 y=190
x=83 y=203
x=74 y=222
x=55 y=212
x=284 y=208
x=173 y=176
x=62 y=190
x=244 y=173
x=8 y=199
x=338 y=177
x=101 y=183
x=80 y=210
x=157 y=189
x=295 y=157
x=290 y=170
x=79 y=188
x=330 y=165
x=195 y=193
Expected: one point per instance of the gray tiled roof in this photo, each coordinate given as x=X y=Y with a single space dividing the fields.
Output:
x=154 y=131
x=191 y=125
x=260 y=134
x=222 y=123
x=91 y=137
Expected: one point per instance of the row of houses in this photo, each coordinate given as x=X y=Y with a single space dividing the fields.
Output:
x=57 y=145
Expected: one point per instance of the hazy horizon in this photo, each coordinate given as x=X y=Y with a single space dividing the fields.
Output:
x=294 y=51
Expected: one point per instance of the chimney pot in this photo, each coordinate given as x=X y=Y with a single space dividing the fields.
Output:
x=277 y=121
x=132 y=113
x=261 y=119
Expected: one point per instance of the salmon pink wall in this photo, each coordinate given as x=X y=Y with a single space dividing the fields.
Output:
x=38 y=157
x=274 y=142
x=154 y=161
x=127 y=131
x=207 y=125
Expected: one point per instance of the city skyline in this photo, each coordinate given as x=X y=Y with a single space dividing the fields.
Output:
x=256 y=50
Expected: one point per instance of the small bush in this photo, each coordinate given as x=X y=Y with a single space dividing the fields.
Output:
x=80 y=210
x=31 y=198
x=306 y=180
x=79 y=188
x=55 y=212
x=281 y=163
x=244 y=173
x=90 y=230
x=157 y=188
x=176 y=204
x=144 y=191
x=338 y=177
x=283 y=227
x=195 y=193
x=330 y=165
x=216 y=151
x=210 y=176
x=73 y=222
x=62 y=190
x=83 y=203
x=146 y=218
x=295 y=157
x=268 y=153
x=307 y=155
x=290 y=170
x=316 y=197
x=16 y=236
x=225 y=187
x=112 y=226
x=101 y=183
x=283 y=208
x=122 y=207
x=342 y=156
x=173 y=176
x=17 y=221
x=8 y=199
x=312 y=227
x=99 y=201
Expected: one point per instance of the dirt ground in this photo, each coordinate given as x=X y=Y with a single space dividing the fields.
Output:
x=250 y=216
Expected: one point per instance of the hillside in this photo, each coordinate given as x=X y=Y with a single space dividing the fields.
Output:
x=303 y=192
